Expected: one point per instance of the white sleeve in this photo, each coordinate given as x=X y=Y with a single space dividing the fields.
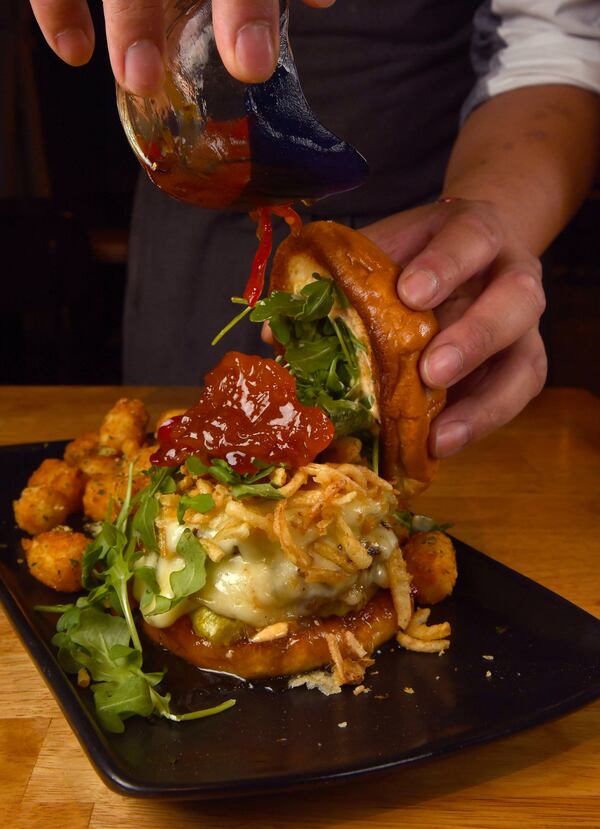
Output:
x=529 y=42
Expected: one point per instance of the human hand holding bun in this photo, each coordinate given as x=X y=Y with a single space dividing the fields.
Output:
x=464 y=261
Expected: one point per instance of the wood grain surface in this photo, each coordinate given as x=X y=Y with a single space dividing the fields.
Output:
x=527 y=495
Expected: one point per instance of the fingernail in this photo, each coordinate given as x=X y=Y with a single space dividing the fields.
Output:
x=144 y=71
x=450 y=438
x=255 y=51
x=74 y=46
x=418 y=288
x=443 y=365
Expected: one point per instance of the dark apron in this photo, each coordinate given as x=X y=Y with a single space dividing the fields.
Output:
x=389 y=76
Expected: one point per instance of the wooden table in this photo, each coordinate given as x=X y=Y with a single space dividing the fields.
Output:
x=527 y=495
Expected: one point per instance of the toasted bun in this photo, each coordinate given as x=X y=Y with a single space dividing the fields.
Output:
x=395 y=334
x=304 y=649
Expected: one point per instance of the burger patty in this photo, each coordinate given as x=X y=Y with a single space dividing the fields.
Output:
x=303 y=649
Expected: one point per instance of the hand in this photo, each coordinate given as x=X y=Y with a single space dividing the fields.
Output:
x=464 y=260
x=247 y=36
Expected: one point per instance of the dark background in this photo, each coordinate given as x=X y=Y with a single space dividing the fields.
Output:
x=65 y=254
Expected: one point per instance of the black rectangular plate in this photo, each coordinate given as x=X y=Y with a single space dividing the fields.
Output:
x=546 y=662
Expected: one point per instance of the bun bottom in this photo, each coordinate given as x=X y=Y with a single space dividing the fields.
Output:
x=303 y=649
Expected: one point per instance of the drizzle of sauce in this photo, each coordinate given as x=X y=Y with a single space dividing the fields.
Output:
x=248 y=411
x=215 y=173
x=264 y=234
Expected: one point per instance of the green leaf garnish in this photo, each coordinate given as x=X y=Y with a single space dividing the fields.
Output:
x=240 y=491
x=245 y=485
x=199 y=503
x=320 y=351
x=420 y=523
x=230 y=325
x=98 y=632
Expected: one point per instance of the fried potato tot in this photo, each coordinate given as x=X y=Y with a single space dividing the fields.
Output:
x=81 y=448
x=86 y=453
x=141 y=462
x=39 y=509
x=431 y=561
x=54 y=491
x=61 y=477
x=54 y=558
x=124 y=427
x=100 y=491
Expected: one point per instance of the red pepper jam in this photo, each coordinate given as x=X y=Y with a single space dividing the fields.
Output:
x=248 y=410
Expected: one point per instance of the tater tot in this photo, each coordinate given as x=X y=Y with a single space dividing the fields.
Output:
x=141 y=462
x=99 y=492
x=82 y=447
x=54 y=558
x=54 y=491
x=101 y=464
x=431 y=561
x=124 y=427
x=39 y=509
x=60 y=477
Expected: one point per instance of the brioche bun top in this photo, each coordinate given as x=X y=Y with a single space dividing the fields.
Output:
x=395 y=337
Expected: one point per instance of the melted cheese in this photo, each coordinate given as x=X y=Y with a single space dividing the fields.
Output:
x=164 y=567
x=258 y=584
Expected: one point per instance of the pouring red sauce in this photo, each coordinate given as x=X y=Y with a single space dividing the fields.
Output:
x=248 y=411
x=264 y=234
x=208 y=181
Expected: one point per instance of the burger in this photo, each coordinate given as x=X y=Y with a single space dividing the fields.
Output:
x=271 y=534
x=292 y=476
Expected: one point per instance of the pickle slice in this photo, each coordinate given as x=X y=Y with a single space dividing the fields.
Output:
x=216 y=628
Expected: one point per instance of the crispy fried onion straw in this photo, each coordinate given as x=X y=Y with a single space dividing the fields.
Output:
x=424 y=638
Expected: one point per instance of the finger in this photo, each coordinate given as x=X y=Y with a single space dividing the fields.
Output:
x=67 y=27
x=266 y=334
x=319 y=4
x=468 y=242
x=511 y=305
x=247 y=37
x=403 y=235
x=135 y=32
x=503 y=392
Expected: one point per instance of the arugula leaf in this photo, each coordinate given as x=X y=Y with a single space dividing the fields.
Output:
x=193 y=576
x=347 y=416
x=107 y=644
x=279 y=303
x=195 y=466
x=320 y=351
x=281 y=328
x=309 y=357
x=242 y=486
x=240 y=491
x=118 y=701
x=230 y=325
x=143 y=522
x=184 y=582
x=420 y=523
x=162 y=706
x=200 y=503
x=314 y=302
